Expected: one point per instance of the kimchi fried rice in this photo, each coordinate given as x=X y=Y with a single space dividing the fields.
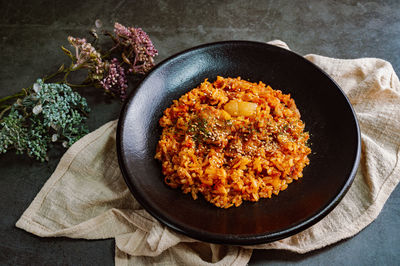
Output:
x=232 y=140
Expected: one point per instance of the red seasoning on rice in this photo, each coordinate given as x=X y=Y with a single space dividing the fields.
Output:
x=232 y=140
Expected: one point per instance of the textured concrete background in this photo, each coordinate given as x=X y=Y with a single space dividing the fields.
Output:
x=32 y=31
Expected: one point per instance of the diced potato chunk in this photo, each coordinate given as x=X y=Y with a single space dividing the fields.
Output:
x=236 y=108
x=225 y=115
x=232 y=108
x=247 y=108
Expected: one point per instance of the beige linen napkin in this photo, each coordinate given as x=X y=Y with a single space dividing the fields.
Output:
x=86 y=196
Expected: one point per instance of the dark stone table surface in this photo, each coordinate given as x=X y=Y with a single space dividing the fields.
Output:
x=31 y=33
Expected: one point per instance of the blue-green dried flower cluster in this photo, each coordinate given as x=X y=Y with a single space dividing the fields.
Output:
x=50 y=113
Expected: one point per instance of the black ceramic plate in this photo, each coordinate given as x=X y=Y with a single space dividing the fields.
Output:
x=327 y=113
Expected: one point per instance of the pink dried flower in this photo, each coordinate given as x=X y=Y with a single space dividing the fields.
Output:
x=139 y=50
x=122 y=31
x=115 y=81
x=87 y=57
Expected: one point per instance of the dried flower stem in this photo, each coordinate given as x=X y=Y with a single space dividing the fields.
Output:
x=4 y=111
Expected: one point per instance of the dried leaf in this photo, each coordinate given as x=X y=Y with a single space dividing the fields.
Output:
x=61 y=68
x=126 y=60
x=67 y=52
